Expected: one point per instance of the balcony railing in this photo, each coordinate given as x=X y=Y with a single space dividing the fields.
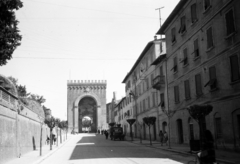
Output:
x=158 y=82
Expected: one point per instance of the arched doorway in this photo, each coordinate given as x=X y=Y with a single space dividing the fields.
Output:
x=87 y=108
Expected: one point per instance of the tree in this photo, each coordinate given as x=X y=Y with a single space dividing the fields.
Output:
x=37 y=98
x=149 y=121
x=9 y=33
x=51 y=124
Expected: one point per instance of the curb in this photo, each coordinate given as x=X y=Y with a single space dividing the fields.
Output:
x=180 y=152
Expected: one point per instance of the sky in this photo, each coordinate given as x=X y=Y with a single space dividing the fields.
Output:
x=81 y=40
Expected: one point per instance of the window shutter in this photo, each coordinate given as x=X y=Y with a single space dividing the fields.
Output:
x=176 y=93
x=196 y=49
x=209 y=38
x=194 y=12
x=234 y=68
x=198 y=84
x=173 y=34
x=187 y=89
x=230 y=22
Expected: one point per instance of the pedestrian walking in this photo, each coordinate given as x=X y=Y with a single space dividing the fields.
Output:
x=207 y=155
x=106 y=134
x=161 y=136
x=165 y=135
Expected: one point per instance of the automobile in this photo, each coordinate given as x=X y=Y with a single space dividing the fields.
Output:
x=116 y=133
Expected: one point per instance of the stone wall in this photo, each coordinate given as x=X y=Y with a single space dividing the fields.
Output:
x=20 y=128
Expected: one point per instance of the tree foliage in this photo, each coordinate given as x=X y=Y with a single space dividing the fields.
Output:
x=37 y=98
x=9 y=33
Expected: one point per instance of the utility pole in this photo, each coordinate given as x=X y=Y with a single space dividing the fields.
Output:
x=159 y=9
x=160 y=19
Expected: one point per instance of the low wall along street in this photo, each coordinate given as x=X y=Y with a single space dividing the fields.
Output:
x=20 y=127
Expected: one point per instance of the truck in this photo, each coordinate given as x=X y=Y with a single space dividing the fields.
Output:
x=116 y=133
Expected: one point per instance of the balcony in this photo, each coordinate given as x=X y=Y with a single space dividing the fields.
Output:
x=158 y=82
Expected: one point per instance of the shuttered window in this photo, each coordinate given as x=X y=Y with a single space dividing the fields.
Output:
x=196 y=49
x=235 y=74
x=176 y=94
x=173 y=32
x=230 y=24
x=209 y=38
x=194 y=13
x=187 y=90
x=198 y=84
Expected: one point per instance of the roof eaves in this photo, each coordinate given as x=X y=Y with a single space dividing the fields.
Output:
x=159 y=59
x=138 y=60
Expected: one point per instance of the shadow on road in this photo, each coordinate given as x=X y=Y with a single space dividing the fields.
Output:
x=97 y=147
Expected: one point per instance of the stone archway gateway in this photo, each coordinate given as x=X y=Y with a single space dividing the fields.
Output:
x=87 y=107
x=86 y=98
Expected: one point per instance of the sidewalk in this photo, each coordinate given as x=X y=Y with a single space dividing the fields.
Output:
x=222 y=156
x=34 y=157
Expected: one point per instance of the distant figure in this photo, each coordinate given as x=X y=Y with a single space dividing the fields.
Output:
x=53 y=139
x=165 y=135
x=207 y=155
x=161 y=136
x=106 y=134
x=48 y=140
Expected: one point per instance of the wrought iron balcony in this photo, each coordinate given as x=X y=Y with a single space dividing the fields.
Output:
x=158 y=82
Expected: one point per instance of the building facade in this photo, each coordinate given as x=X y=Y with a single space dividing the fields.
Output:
x=86 y=99
x=139 y=92
x=203 y=68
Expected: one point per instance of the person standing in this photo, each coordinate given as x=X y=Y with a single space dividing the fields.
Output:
x=165 y=137
x=161 y=136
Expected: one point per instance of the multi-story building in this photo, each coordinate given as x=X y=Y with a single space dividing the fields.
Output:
x=139 y=91
x=203 y=55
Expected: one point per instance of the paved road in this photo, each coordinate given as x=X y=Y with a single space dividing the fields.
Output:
x=95 y=149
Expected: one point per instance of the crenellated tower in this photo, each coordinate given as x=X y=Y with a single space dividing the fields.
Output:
x=86 y=98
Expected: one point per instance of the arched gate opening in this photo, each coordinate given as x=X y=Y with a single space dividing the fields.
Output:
x=87 y=107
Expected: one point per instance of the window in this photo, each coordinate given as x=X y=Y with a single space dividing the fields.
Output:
x=147 y=81
x=152 y=79
x=174 y=68
x=162 y=100
x=185 y=57
x=161 y=71
x=173 y=32
x=161 y=47
x=187 y=90
x=235 y=74
x=212 y=78
x=149 y=100
x=144 y=106
x=194 y=13
x=176 y=94
x=140 y=106
x=218 y=126
x=207 y=4
x=182 y=25
x=230 y=24
x=196 y=49
x=198 y=85
x=153 y=99
x=209 y=38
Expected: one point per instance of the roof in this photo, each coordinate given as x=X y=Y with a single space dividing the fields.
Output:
x=172 y=16
x=138 y=60
x=159 y=59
